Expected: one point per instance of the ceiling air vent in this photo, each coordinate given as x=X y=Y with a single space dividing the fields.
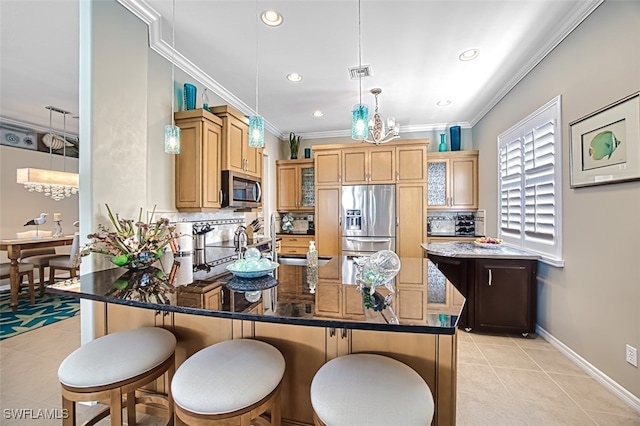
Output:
x=358 y=72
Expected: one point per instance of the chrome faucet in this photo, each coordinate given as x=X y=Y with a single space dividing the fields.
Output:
x=240 y=240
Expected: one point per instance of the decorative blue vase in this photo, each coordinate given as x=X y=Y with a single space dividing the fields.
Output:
x=443 y=145
x=455 y=138
x=190 y=96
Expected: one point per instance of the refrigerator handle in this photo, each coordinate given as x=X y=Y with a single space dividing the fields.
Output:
x=397 y=220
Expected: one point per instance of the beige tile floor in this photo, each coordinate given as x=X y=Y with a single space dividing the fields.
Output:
x=502 y=380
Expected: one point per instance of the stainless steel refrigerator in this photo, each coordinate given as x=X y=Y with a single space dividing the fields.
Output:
x=368 y=219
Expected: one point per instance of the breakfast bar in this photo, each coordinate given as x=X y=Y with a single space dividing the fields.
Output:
x=310 y=321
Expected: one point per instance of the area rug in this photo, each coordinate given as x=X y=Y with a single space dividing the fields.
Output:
x=48 y=309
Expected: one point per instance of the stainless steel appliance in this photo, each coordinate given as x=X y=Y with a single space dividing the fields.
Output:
x=368 y=219
x=240 y=190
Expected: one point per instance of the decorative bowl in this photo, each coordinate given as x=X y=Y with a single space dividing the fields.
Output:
x=236 y=270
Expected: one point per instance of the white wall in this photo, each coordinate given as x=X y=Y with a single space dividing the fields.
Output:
x=592 y=305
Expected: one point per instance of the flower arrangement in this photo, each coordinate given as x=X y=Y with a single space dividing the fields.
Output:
x=132 y=244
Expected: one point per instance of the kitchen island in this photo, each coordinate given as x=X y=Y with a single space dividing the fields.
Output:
x=310 y=322
x=498 y=282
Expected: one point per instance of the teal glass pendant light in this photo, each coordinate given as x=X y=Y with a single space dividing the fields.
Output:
x=256 y=122
x=256 y=131
x=171 y=131
x=360 y=112
x=359 y=120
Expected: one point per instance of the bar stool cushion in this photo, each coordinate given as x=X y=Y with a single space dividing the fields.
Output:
x=227 y=376
x=370 y=389
x=116 y=357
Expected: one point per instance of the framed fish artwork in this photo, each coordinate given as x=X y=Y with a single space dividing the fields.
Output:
x=605 y=145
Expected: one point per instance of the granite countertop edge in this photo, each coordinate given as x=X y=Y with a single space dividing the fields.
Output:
x=470 y=250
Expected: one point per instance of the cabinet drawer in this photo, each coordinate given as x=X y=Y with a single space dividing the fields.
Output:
x=293 y=250
x=297 y=241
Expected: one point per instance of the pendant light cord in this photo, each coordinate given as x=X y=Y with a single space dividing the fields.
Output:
x=359 y=53
x=64 y=139
x=51 y=135
x=257 y=50
x=173 y=56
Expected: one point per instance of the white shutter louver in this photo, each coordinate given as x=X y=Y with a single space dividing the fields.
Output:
x=530 y=182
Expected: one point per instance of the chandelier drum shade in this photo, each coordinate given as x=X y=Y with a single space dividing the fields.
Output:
x=52 y=183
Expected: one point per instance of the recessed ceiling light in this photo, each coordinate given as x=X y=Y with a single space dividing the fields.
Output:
x=294 y=76
x=443 y=103
x=271 y=18
x=469 y=54
x=318 y=113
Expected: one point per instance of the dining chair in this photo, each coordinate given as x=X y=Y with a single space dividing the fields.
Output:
x=69 y=262
x=40 y=257
x=23 y=269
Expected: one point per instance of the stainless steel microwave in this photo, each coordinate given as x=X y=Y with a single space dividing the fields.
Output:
x=240 y=190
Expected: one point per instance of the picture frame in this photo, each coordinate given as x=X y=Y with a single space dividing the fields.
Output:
x=605 y=144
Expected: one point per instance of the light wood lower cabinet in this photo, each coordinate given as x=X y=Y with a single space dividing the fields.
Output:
x=411 y=202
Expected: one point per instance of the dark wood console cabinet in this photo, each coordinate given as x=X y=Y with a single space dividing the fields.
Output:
x=501 y=293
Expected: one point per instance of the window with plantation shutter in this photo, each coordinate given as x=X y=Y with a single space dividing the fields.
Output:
x=530 y=180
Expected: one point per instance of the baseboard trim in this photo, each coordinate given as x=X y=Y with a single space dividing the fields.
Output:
x=626 y=396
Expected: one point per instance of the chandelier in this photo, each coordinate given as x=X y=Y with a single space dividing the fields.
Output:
x=55 y=184
x=377 y=130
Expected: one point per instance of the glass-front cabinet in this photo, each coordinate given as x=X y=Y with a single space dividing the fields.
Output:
x=452 y=180
x=296 y=187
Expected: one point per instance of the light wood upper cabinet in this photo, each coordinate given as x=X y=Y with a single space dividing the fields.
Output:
x=411 y=163
x=197 y=169
x=295 y=185
x=453 y=180
x=237 y=155
x=328 y=167
x=367 y=165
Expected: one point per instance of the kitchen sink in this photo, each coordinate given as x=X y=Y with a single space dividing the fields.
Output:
x=285 y=259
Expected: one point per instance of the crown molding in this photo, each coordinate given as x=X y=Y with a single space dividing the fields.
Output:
x=21 y=125
x=579 y=13
x=153 y=19
x=403 y=129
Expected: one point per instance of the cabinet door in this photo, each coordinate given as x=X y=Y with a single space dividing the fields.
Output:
x=188 y=166
x=411 y=213
x=411 y=304
x=463 y=187
x=381 y=165
x=437 y=189
x=252 y=156
x=354 y=166
x=505 y=295
x=411 y=164
x=328 y=301
x=211 y=145
x=303 y=349
x=236 y=132
x=287 y=181
x=328 y=220
x=352 y=302
x=328 y=167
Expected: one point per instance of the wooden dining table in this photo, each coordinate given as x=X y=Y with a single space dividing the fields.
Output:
x=13 y=248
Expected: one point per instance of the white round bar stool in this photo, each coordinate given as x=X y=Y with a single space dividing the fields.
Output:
x=115 y=365
x=372 y=390
x=229 y=383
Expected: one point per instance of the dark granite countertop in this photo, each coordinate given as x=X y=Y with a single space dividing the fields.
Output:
x=290 y=299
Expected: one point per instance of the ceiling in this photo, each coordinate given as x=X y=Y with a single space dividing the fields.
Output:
x=411 y=46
